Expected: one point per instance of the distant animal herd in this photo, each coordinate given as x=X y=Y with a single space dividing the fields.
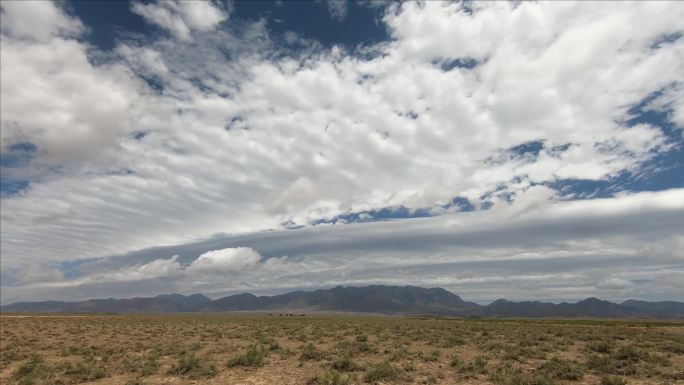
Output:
x=287 y=315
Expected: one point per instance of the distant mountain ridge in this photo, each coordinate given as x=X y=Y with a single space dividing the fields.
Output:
x=398 y=300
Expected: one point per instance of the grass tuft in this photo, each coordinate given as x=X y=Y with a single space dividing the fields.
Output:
x=382 y=372
x=254 y=357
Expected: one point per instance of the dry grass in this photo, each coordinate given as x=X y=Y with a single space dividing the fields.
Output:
x=335 y=350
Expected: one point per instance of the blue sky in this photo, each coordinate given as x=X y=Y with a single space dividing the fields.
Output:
x=358 y=24
x=153 y=147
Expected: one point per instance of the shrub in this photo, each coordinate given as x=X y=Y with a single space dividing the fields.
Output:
x=523 y=379
x=479 y=365
x=600 y=347
x=455 y=362
x=612 y=380
x=309 y=352
x=432 y=357
x=135 y=381
x=332 y=377
x=85 y=371
x=144 y=366
x=190 y=366
x=32 y=371
x=148 y=366
x=382 y=372
x=630 y=353
x=345 y=364
x=269 y=343
x=452 y=341
x=254 y=357
x=399 y=353
x=562 y=369
x=362 y=347
x=675 y=347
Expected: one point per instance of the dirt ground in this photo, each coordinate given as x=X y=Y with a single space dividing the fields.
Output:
x=335 y=350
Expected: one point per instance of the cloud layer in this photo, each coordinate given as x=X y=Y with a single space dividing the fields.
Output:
x=220 y=127
x=617 y=248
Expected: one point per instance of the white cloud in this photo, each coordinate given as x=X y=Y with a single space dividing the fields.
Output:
x=181 y=18
x=615 y=283
x=55 y=98
x=225 y=260
x=127 y=275
x=155 y=269
x=276 y=264
x=147 y=60
x=37 y=20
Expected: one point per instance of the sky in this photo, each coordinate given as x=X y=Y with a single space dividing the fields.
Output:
x=519 y=150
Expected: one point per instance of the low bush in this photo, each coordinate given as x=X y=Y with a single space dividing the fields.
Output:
x=33 y=371
x=333 y=377
x=612 y=380
x=310 y=353
x=254 y=357
x=561 y=369
x=345 y=364
x=190 y=366
x=382 y=372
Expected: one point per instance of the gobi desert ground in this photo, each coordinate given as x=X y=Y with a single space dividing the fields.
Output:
x=335 y=349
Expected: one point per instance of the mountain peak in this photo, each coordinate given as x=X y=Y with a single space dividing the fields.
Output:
x=199 y=296
x=500 y=301
x=593 y=301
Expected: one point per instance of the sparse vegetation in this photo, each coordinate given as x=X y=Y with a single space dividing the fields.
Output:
x=382 y=372
x=333 y=378
x=345 y=364
x=190 y=366
x=336 y=350
x=253 y=357
x=33 y=371
x=310 y=353
x=561 y=369
x=612 y=380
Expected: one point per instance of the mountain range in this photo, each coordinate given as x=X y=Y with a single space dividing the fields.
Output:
x=396 y=300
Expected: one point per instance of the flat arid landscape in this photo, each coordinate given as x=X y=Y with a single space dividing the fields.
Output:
x=341 y=192
x=327 y=349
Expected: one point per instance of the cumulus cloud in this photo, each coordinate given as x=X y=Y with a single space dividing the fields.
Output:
x=80 y=110
x=235 y=134
x=181 y=18
x=37 y=20
x=155 y=269
x=54 y=97
x=225 y=260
